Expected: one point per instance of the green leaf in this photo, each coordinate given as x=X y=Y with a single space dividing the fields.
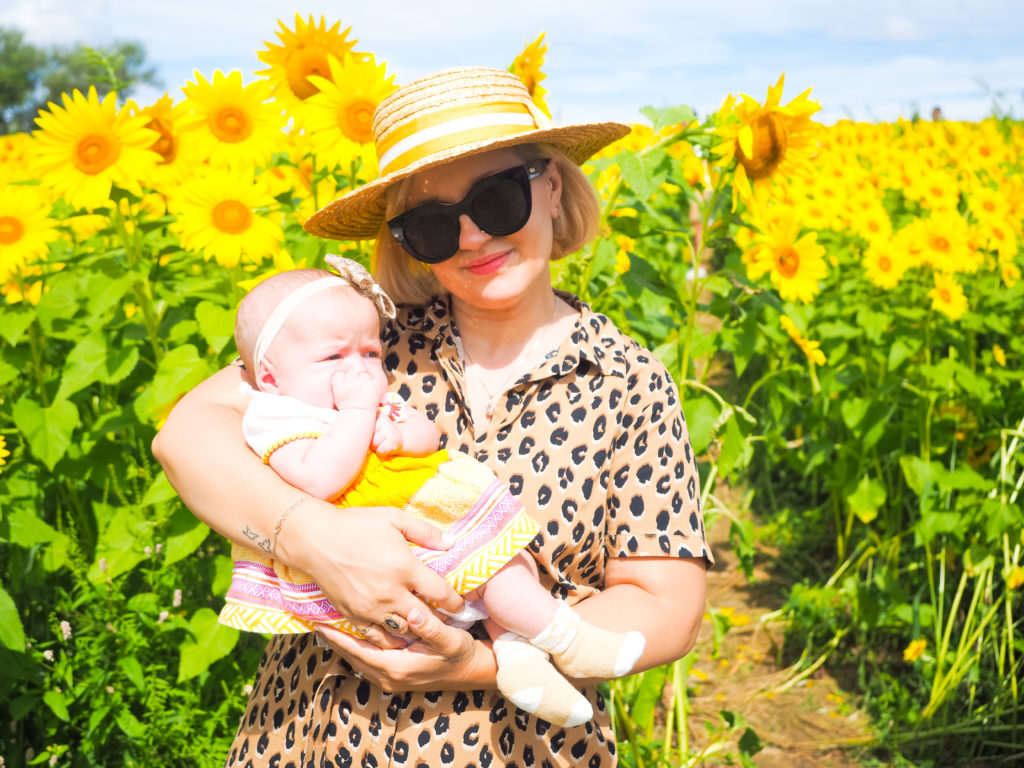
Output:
x=736 y=448
x=211 y=641
x=919 y=473
x=222 y=572
x=15 y=324
x=130 y=725
x=7 y=371
x=22 y=705
x=133 y=671
x=641 y=173
x=701 y=413
x=28 y=530
x=55 y=701
x=900 y=351
x=159 y=492
x=666 y=116
x=184 y=534
x=122 y=541
x=92 y=360
x=12 y=633
x=750 y=742
x=865 y=501
x=180 y=370
x=216 y=323
x=646 y=698
x=48 y=430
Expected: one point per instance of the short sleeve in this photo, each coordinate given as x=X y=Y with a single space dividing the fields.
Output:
x=654 y=494
x=271 y=421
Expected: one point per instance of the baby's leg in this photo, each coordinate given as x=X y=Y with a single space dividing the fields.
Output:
x=515 y=599
x=527 y=679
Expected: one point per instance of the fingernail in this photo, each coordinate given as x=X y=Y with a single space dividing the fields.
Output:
x=415 y=617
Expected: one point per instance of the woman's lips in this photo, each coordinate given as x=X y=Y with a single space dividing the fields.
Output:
x=488 y=264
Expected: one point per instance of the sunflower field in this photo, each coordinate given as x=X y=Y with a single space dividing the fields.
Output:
x=840 y=306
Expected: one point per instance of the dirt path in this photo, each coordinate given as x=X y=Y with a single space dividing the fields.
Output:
x=800 y=727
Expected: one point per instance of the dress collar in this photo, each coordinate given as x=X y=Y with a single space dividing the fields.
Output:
x=593 y=339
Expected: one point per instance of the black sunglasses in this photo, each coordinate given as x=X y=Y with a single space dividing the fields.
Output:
x=498 y=204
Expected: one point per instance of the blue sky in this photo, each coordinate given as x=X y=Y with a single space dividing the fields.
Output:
x=872 y=60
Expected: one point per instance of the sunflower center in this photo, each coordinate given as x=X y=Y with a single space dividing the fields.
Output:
x=885 y=264
x=11 y=230
x=230 y=124
x=356 y=120
x=770 y=143
x=989 y=206
x=939 y=243
x=310 y=60
x=95 y=153
x=166 y=144
x=787 y=261
x=231 y=217
x=945 y=295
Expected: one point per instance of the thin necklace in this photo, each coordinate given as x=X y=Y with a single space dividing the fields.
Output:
x=492 y=399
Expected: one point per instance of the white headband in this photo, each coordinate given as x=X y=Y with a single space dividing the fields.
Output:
x=284 y=310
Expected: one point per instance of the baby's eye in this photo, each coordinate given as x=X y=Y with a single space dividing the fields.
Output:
x=334 y=357
x=373 y=353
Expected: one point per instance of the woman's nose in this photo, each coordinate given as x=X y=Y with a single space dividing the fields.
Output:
x=471 y=236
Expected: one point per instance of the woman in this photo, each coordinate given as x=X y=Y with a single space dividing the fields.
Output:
x=476 y=195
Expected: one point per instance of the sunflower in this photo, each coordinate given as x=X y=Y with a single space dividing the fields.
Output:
x=219 y=214
x=948 y=296
x=885 y=264
x=338 y=120
x=88 y=145
x=176 y=148
x=28 y=287
x=14 y=157
x=25 y=228
x=810 y=348
x=794 y=264
x=947 y=246
x=302 y=53
x=526 y=66
x=233 y=125
x=767 y=142
x=4 y=453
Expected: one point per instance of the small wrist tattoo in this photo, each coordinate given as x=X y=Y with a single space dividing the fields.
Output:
x=253 y=536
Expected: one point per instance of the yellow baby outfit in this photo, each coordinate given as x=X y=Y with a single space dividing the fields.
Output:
x=451 y=490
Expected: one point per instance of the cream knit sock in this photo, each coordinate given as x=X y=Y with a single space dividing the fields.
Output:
x=580 y=649
x=527 y=679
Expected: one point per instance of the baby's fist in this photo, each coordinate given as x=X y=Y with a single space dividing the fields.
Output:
x=355 y=389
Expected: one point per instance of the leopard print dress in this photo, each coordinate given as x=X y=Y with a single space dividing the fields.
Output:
x=594 y=444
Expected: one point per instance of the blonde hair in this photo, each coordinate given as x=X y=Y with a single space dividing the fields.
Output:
x=409 y=281
x=256 y=306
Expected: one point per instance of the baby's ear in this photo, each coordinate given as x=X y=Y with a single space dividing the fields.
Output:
x=265 y=379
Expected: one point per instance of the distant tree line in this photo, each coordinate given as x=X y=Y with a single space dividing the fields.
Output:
x=31 y=76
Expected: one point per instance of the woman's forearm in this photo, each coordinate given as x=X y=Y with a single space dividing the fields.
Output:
x=662 y=598
x=206 y=459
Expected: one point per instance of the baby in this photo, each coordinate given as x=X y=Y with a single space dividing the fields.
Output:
x=322 y=418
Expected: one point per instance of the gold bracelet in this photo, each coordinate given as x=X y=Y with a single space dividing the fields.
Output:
x=284 y=516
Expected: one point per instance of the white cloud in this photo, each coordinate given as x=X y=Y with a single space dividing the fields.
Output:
x=900 y=28
x=605 y=60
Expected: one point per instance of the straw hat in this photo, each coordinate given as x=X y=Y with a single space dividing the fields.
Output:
x=450 y=114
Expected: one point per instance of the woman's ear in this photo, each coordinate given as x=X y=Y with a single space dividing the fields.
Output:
x=553 y=178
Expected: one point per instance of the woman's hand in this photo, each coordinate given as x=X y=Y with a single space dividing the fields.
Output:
x=360 y=558
x=430 y=663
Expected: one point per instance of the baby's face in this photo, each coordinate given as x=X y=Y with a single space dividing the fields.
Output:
x=334 y=334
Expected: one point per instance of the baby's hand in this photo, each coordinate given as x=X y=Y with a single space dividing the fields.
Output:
x=387 y=437
x=355 y=389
